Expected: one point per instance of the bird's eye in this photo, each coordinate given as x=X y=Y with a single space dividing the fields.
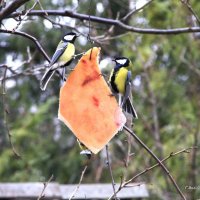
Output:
x=121 y=61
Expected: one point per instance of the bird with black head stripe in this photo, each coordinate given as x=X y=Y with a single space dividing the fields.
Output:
x=120 y=81
x=62 y=57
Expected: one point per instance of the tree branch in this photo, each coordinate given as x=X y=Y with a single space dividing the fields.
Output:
x=188 y=5
x=41 y=196
x=6 y=112
x=157 y=159
x=80 y=181
x=20 y=21
x=11 y=8
x=136 y=10
x=30 y=37
x=110 y=170
x=186 y=150
x=108 y=21
x=126 y=183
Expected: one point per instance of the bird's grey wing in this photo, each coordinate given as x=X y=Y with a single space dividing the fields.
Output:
x=59 y=51
x=126 y=102
x=51 y=69
x=127 y=86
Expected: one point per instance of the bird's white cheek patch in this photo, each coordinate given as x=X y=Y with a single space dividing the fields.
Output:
x=121 y=61
x=68 y=37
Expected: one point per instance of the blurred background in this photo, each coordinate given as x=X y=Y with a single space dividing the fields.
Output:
x=166 y=94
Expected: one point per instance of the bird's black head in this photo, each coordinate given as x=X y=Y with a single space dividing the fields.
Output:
x=121 y=62
x=70 y=37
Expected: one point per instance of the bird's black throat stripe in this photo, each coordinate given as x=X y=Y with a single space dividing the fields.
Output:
x=112 y=82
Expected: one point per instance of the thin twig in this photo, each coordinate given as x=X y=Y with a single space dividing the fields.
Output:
x=186 y=150
x=5 y=110
x=157 y=159
x=13 y=6
x=42 y=7
x=103 y=38
x=29 y=59
x=110 y=170
x=189 y=7
x=81 y=178
x=127 y=159
x=111 y=29
x=25 y=15
x=61 y=25
x=26 y=72
x=194 y=165
x=125 y=183
x=136 y=10
x=44 y=188
x=30 y=37
x=89 y=31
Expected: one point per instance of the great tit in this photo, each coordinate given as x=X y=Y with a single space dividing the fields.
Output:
x=62 y=57
x=120 y=81
x=84 y=149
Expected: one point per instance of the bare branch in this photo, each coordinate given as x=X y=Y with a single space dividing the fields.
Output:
x=108 y=21
x=81 y=178
x=110 y=170
x=186 y=150
x=136 y=10
x=5 y=110
x=125 y=183
x=189 y=7
x=45 y=186
x=11 y=8
x=20 y=21
x=14 y=73
x=30 y=37
x=41 y=6
x=157 y=159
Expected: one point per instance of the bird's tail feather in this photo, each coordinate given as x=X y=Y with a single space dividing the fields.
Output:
x=128 y=107
x=45 y=79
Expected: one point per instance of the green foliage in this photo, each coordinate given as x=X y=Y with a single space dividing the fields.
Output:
x=39 y=150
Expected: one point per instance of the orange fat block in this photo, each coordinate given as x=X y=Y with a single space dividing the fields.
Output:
x=87 y=105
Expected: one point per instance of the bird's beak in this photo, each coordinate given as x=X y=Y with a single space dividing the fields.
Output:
x=113 y=60
x=78 y=35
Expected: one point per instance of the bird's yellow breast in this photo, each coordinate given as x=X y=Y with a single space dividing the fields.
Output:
x=120 y=79
x=68 y=53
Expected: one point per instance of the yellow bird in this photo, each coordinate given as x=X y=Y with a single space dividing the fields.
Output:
x=62 y=57
x=84 y=149
x=120 y=81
